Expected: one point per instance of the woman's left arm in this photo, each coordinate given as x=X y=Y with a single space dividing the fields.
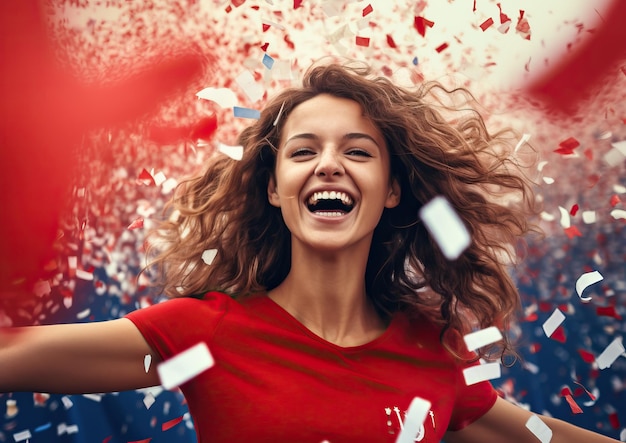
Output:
x=507 y=422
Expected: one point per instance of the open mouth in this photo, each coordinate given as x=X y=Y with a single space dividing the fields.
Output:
x=330 y=203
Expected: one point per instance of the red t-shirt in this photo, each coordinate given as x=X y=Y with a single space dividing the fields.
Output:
x=276 y=381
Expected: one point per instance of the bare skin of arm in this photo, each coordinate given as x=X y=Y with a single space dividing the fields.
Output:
x=507 y=422
x=75 y=358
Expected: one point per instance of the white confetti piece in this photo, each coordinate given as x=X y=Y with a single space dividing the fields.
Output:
x=484 y=337
x=224 y=97
x=147 y=361
x=94 y=397
x=234 y=152
x=67 y=403
x=586 y=280
x=209 y=255
x=185 y=366
x=610 y=354
x=589 y=217
x=148 y=400
x=619 y=189
x=524 y=139
x=446 y=227
x=84 y=275
x=83 y=314
x=159 y=178
x=548 y=180
x=280 y=113
x=483 y=372
x=414 y=419
x=618 y=214
x=553 y=322
x=565 y=218
x=250 y=87
x=546 y=216
x=539 y=429
x=21 y=436
x=273 y=24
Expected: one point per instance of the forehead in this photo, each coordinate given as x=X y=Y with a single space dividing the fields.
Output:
x=329 y=114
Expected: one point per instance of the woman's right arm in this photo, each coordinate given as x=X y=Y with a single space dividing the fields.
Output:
x=76 y=358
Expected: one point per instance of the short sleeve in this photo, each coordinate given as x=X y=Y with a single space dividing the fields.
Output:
x=177 y=324
x=471 y=402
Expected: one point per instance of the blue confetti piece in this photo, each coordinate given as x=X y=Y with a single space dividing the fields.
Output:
x=268 y=61
x=246 y=113
x=43 y=427
x=415 y=61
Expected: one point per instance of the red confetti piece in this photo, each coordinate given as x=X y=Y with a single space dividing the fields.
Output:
x=614 y=420
x=567 y=146
x=574 y=209
x=573 y=405
x=106 y=440
x=503 y=17
x=421 y=24
x=237 y=3
x=474 y=8
x=171 y=423
x=534 y=348
x=572 y=232
x=608 y=311
x=559 y=335
x=297 y=4
x=589 y=154
x=265 y=27
x=587 y=356
x=145 y=175
x=362 y=41
x=391 y=42
x=367 y=10
x=486 y=24
x=228 y=9
x=145 y=440
x=591 y=396
x=615 y=200
x=136 y=224
x=289 y=42
x=264 y=47
x=441 y=47
x=592 y=180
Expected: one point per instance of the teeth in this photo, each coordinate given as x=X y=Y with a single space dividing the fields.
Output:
x=329 y=214
x=331 y=195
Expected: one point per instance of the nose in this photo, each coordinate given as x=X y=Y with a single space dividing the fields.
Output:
x=329 y=164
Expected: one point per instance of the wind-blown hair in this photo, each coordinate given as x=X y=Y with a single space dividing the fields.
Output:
x=227 y=208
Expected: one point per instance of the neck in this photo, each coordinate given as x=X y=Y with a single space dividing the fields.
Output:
x=326 y=293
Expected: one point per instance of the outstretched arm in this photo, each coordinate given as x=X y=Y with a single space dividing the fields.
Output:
x=75 y=358
x=507 y=422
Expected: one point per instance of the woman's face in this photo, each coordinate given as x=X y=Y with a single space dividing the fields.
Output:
x=332 y=177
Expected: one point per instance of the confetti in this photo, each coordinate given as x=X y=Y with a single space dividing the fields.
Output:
x=185 y=366
x=482 y=338
x=234 y=152
x=589 y=217
x=136 y=224
x=524 y=139
x=21 y=436
x=147 y=360
x=414 y=419
x=420 y=24
x=618 y=214
x=446 y=227
x=268 y=61
x=539 y=429
x=486 y=24
x=553 y=322
x=250 y=87
x=224 y=97
x=148 y=400
x=482 y=372
x=586 y=280
x=246 y=113
x=171 y=423
x=209 y=255
x=610 y=354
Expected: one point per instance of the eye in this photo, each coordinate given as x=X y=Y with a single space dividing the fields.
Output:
x=358 y=152
x=301 y=152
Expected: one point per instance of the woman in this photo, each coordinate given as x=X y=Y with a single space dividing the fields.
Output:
x=338 y=308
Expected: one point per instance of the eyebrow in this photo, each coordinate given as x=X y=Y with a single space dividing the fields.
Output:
x=349 y=136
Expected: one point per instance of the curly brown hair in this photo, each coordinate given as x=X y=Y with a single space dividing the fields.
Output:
x=227 y=209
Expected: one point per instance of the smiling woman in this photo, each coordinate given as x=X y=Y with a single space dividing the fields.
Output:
x=329 y=311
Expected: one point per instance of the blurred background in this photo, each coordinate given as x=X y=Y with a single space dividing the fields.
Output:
x=554 y=70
